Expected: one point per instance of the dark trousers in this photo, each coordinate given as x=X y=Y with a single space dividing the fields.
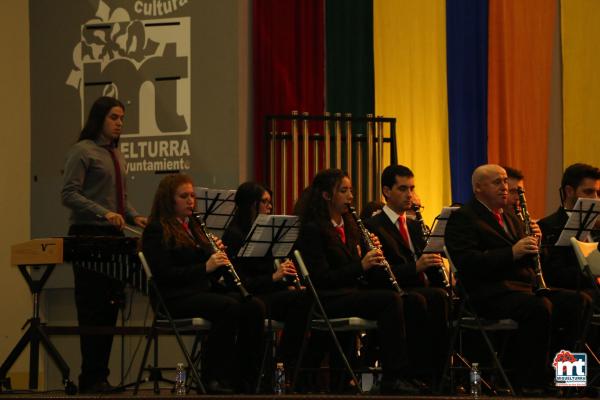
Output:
x=538 y=317
x=426 y=310
x=234 y=346
x=97 y=299
x=291 y=307
x=387 y=308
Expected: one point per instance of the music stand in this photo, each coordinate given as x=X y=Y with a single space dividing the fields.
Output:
x=436 y=243
x=216 y=207
x=271 y=235
x=581 y=221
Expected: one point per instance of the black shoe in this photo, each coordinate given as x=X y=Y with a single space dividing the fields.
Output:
x=101 y=387
x=216 y=387
x=399 y=387
x=423 y=387
x=532 y=391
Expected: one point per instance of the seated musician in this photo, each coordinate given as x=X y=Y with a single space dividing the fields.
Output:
x=95 y=191
x=329 y=241
x=515 y=181
x=188 y=275
x=402 y=242
x=276 y=288
x=561 y=268
x=493 y=256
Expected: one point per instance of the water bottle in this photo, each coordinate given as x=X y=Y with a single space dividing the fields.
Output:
x=279 y=379
x=180 y=379
x=475 y=376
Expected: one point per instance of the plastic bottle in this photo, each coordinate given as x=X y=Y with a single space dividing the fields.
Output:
x=279 y=387
x=180 y=376
x=475 y=379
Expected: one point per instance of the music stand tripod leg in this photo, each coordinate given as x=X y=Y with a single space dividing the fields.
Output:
x=52 y=351
x=13 y=356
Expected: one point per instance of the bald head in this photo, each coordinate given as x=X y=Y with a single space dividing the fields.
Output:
x=490 y=185
x=484 y=171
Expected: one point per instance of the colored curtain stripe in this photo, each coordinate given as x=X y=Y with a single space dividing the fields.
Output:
x=466 y=41
x=410 y=84
x=520 y=65
x=581 y=81
x=349 y=35
x=288 y=63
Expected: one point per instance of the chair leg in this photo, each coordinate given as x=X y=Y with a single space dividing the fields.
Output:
x=186 y=354
x=495 y=358
x=448 y=365
x=144 y=359
x=268 y=354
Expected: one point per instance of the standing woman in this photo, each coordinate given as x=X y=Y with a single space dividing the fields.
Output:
x=274 y=287
x=95 y=191
x=188 y=275
x=329 y=242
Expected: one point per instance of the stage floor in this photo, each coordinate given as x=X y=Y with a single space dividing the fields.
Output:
x=166 y=394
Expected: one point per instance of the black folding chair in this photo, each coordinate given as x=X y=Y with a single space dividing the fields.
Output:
x=468 y=320
x=322 y=323
x=163 y=323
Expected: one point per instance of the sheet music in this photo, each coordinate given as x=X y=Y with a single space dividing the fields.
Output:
x=436 y=239
x=581 y=220
x=276 y=233
x=216 y=206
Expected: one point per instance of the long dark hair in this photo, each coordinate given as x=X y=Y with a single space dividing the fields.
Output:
x=95 y=122
x=163 y=211
x=312 y=206
x=247 y=201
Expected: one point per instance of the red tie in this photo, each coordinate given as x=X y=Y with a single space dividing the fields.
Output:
x=118 y=181
x=403 y=230
x=498 y=217
x=186 y=226
x=341 y=233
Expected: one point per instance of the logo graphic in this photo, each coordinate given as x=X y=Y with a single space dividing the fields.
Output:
x=570 y=368
x=146 y=65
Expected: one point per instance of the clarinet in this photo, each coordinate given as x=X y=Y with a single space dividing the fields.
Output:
x=366 y=235
x=540 y=284
x=426 y=235
x=236 y=279
x=295 y=281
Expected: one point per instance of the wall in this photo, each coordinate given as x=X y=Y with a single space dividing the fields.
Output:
x=14 y=177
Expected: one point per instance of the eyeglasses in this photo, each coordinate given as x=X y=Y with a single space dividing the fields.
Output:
x=266 y=202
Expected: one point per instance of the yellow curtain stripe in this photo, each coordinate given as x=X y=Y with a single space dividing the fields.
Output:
x=581 y=81
x=410 y=85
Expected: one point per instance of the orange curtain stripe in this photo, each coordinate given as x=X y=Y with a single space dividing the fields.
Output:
x=519 y=77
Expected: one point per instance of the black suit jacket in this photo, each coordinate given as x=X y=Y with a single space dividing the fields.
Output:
x=178 y=271
x=559 y=263
x=333 y=265
x=397 y=253
x=482 y=252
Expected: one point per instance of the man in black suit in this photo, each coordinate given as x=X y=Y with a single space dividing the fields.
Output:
x=560 y=265
x=515 y=181
x=402 y=242
x=494 y=260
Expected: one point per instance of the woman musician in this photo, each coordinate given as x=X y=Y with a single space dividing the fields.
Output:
x=187 y=272
x=278 y=288
x=329 y=241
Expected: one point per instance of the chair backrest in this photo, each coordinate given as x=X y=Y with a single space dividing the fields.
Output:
x=301 y=265
x=452 y=266
x=587 y=255
x=145 y=265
